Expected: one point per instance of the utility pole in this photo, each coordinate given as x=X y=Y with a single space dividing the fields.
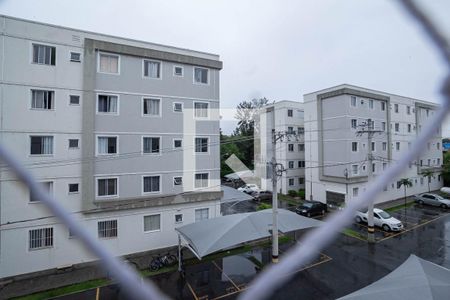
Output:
x=370 y=133
x=346 y=184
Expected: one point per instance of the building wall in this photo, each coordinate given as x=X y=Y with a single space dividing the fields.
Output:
x=328 y=115
x=82 y=165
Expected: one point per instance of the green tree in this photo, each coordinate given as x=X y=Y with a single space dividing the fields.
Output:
x=428 y=174
x=445 y=172
x=406 y=183
x=228 y=147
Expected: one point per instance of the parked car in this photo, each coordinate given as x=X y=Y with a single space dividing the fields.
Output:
x=261 y=195
x=381 y=219
x=311 y=208
x=248 y=188
x=432 y=199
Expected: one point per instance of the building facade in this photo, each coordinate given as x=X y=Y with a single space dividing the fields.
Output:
x=123 y=133
x=337 y=148
x=290 y=150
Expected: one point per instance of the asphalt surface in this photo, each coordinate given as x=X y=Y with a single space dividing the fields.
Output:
x=347 y=265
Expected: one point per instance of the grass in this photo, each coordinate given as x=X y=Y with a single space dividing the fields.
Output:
x=289 y=199
x=353 y=233
x=87 y=285
x=399 y=207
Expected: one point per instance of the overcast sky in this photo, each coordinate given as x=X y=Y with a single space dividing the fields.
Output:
x=274 y=49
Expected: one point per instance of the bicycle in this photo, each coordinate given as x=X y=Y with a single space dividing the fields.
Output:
x=161 y=261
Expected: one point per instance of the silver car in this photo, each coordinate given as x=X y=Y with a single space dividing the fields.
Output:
x=432 y=199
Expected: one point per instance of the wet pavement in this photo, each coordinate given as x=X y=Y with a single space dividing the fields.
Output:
x=347 y=265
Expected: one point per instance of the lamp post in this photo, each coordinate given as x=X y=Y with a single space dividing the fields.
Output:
x=346 y=184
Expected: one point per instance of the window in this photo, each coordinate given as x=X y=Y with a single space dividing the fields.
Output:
x=177 y=143
x=107 y=229
x=290 y=130
x=354 y=169
x=40 y=238
x=108 y=63
x=397 y=146
x=300 y=130
x=438 y=146
x=152 y=223
x=107 y=104
x=291 y=181
x=408 y=110
x=201 y=180
x=428 y=146
x=73 y=188
x=353 y=101
x=429 y=163
x=383 y=106
x=291 y=147
x=150 y=145
x=370 y=103
x=421 y=180
x=178 y=107
x=384 y=166
x=427 y=112
x=74 y=100
x=152 y=69
x=73 y=143
x=354 y=123
x=384 y=146
x=374 y=167
x=151 y=184
x=438 y=161
x=396 y=108
x=201 y=75
x=373 y=146
x=301 y=147
x=409 y=127
x=106 y=145
x=355 y=192
x=354 y=146
x=421 y=162
x=383 y=126
x=201 y=214
x=44 y=55
x=178 y=180
x=178 y=71
x=47 y=186
x=75 y=56
x=201 y=145
x=200 y=110
x=301 y=163
x=41 y=145
x=290 y=112
x=291 y=164
x=179 y=218
x=151 y=107
x=301 y=180
x=41 y=99
x=107 y=187
x=399 y=184
x=397 y=127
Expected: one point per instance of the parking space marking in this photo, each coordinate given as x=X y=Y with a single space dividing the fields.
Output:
x=192 y=290
x=225 y=274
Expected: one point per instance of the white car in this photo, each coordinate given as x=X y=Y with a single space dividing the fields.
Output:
x=248 y=188
x=381 y=219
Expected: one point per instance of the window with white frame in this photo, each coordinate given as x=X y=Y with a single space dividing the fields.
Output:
x=290 y=113
x=201 y=180
x=383 y=126
x=355 y=192
x=151 y=107
x=151 y=145
x=301 y=163
x=178 y=71
x=291 y=181
x=201 y=109
x=290 y=129
x=396 y=108
x=107 y=229
x=178 y=180
x=40 y=238
x=397 y=146
x=107 y=187
x=41 y=145
x=48 y=188
x=301 y=147
x=301 y=180
x=201 y=145
x=370 y=103
x=108 y=63
x=300 y=130
x=383 y=105
x=397 y=127
x=438 y=146
x=44 y=55
x=373 y=146
x=384 y=146
x=409 y=127
x=74 y=188
x=152 y=69
x=201 y=214
x=179 y=218
x=291 y=164
x=354 y=123
x=74 y=100
x=41 y=99
x=152 y=223
x=354 y=146
x=374 y=167
x=353 y=101
x=355 y=170
x=151 y=184
x=201 y=75
x=291 y=147
x=178 y=107
x=73 y=143
x=75 y=56
x=106 y=145
x=384 y=166
x=107 y=104
x=178 y=143
x=408 y=110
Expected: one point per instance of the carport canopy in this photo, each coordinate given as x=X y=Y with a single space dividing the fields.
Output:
x=415 y=279
x=212 y=235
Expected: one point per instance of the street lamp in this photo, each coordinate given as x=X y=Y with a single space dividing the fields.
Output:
x=346 y=183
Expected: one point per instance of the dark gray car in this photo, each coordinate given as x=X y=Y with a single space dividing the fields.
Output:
x=432 y=199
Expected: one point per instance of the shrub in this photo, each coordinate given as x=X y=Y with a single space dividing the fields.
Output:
x=292 y=193
x=301 y=193
x=263 y=206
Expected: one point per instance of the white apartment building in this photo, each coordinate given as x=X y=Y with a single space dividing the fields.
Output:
x=336 y=156
x=123 y=133
x=290 y=151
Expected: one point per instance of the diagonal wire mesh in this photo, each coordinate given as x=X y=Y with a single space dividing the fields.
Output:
x=274 y=276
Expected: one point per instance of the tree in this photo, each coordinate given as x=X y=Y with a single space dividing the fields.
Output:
x=428 y=174
x=446 y=169
x=228 y=147
x=405 y=182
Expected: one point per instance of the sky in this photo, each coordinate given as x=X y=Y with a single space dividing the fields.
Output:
x=274 y=49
